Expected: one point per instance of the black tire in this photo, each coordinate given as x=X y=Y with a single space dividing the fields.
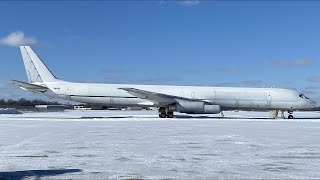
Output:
x=170 y=115
x=162 y=115
x=290 y=117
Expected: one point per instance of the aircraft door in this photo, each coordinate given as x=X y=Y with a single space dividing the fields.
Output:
x=68 y=93
x=111 y=99
x=193 y=95
x=269 y=100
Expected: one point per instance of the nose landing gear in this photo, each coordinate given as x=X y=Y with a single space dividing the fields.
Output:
x=290 y=115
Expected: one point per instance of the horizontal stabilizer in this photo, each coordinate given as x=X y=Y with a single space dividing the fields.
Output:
x=30 y=87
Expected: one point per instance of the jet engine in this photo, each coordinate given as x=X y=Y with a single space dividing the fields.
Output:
x=191 y=107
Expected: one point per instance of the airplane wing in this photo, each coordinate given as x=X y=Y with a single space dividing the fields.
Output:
x=29 y=87
x=162 y=99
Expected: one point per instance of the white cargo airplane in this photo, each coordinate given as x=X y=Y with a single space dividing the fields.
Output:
x=184 y=99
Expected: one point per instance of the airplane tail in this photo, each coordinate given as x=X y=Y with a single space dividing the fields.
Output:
x=36 y=70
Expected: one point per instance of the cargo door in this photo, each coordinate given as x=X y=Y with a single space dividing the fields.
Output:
x=193 y=95
x=68 y=93
x=269 y=100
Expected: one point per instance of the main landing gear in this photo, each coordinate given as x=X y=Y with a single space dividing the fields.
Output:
x=164 y=113
x=274 y=114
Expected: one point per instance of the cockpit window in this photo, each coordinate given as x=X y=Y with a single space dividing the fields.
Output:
x=303 y=96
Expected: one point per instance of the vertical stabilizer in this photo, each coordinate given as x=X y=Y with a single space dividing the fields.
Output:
x=36 y=70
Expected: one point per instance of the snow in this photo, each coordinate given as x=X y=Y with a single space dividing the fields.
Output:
x=139 y=145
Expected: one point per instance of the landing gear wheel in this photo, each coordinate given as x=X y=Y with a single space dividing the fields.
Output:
x=290 y=117
x=162 y=115
x=170 y=115
x=162 y=112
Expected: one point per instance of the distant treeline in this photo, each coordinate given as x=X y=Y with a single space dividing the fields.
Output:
x=23 y=103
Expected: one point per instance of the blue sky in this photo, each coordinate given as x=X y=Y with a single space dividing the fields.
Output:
x=250 y=44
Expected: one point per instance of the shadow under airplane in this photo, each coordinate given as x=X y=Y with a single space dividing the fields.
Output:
x=19 y=175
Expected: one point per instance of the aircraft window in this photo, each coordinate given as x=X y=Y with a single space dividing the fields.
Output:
x=303 y=96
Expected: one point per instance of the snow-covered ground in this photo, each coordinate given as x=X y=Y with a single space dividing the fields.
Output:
x=138 y=145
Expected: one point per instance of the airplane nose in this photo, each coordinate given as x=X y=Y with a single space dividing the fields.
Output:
x=313 y=104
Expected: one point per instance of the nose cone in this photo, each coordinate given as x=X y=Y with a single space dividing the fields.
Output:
x=313 y=104
x=310 y=104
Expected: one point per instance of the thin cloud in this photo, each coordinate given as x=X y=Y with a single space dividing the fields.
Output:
x=18 y=38
x=309 y=92
x=7 y=86
x=228 y=84
x=289 y=63
x=10 y=91
x=312 y=87
x=162 y=2
x=252 y=83
x=230 y=69
x=115 y=76
x=189 y=3
x=191 y=71
x=113 y=71
x=136 y=80
x=163 y=79
x=75 y=37
x=121 y=76
x=314 y=79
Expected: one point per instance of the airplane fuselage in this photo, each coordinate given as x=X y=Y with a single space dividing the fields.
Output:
x=228 y=98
